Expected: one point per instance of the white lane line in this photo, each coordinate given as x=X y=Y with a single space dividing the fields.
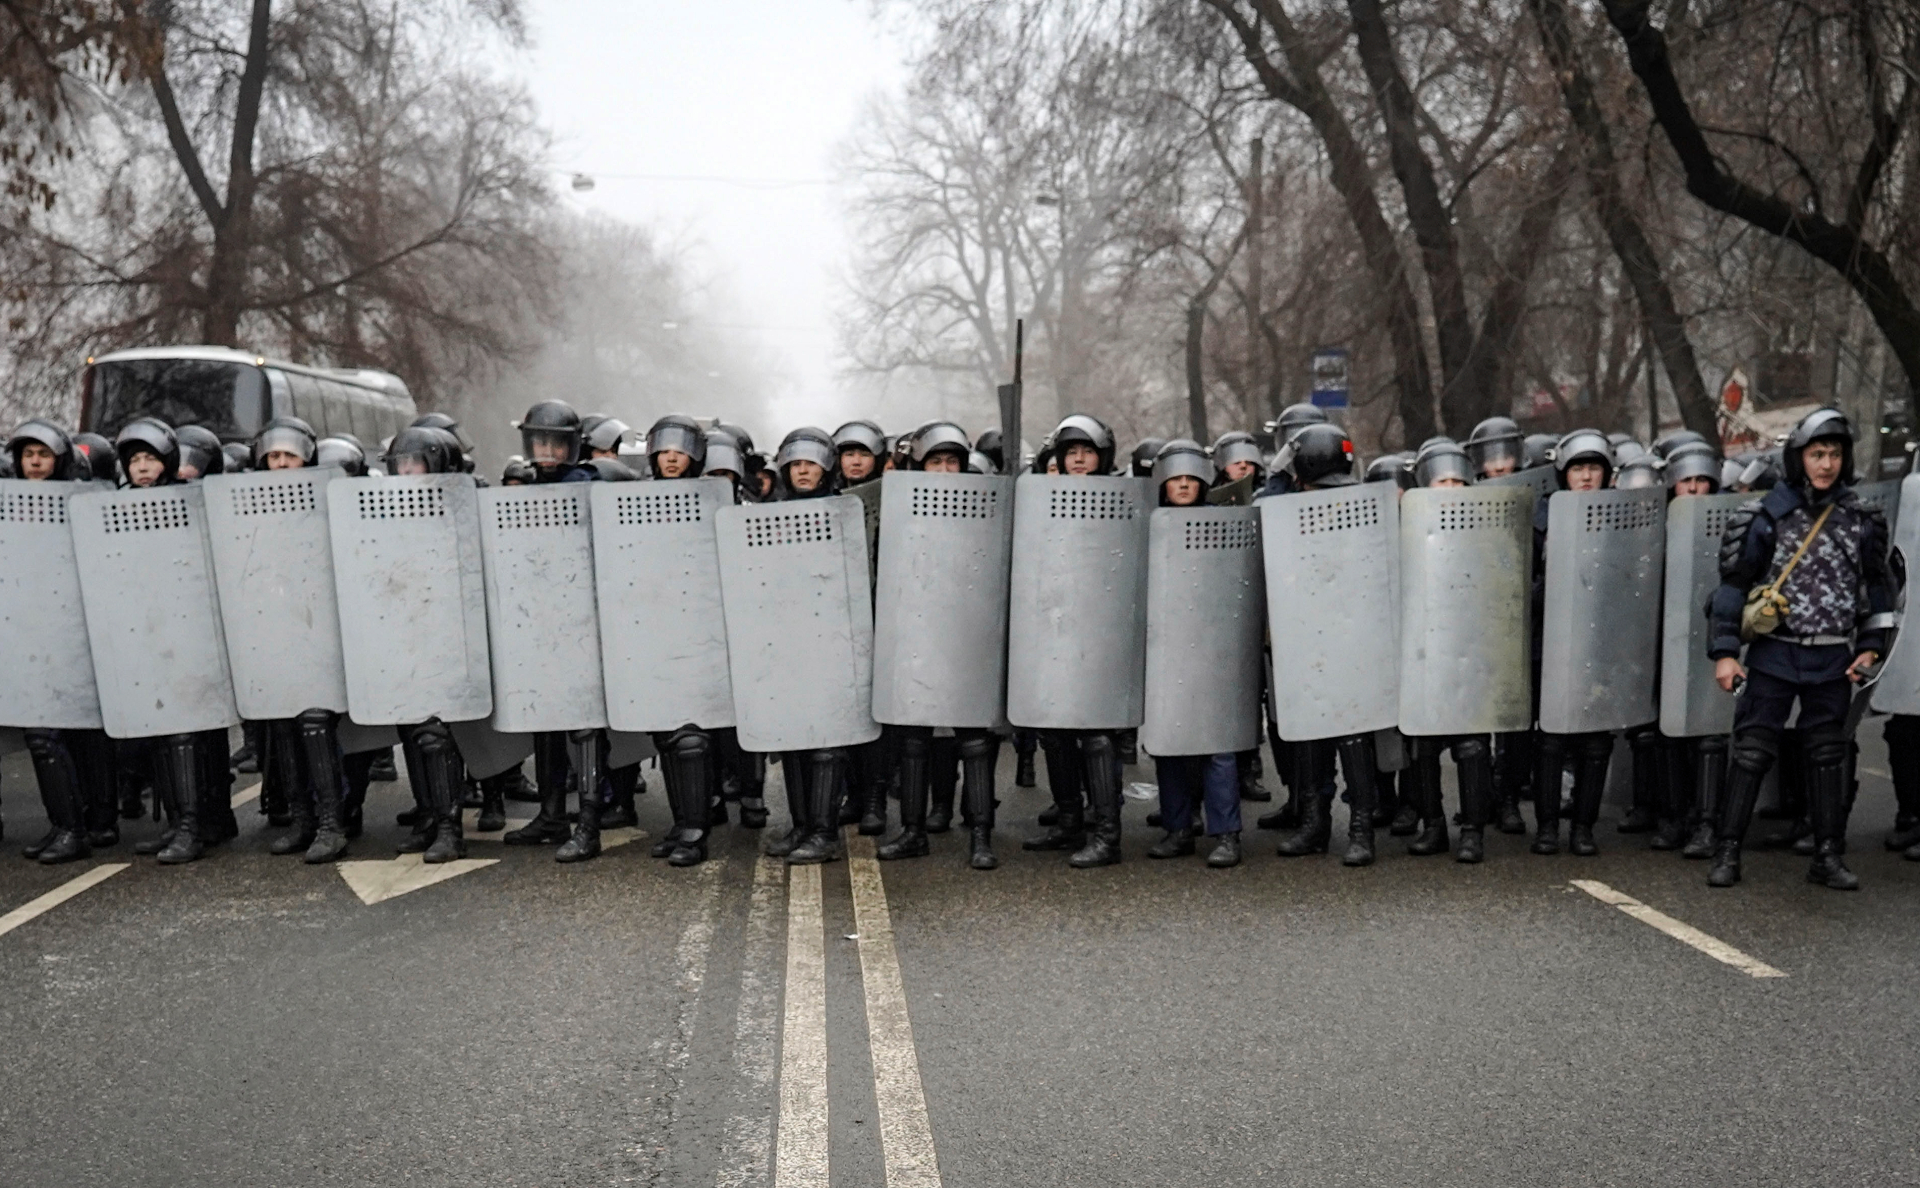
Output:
x=746 y=1147
x=690 y=957
x=245 y=795
x=801 y=1150
x=59 y=895
x=1686 y=934
x=906 y=1134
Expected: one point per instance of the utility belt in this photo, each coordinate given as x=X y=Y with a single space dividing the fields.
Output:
x=1811 y=641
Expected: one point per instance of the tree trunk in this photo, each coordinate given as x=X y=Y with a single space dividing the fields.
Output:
x=1638 y=260
x=1259 y=362
x=1196 y=377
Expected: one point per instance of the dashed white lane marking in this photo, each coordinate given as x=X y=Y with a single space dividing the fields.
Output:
x=746 y=1148
x=906 y=1134
x=59 y=895
x=801 y=1150
x=246 y=795
x=1686 y=934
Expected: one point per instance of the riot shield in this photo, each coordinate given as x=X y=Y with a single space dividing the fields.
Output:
x=413 y=607
x=48 y=666
x=663 y=630
x=543 y=628
x=1077 y=615
x=1886 y=495
x=870 y=494
x=488 y=752
x=1333 y=607
x=1898 y=690
x=153 y=613
x=1206 y=614
x=1605 y=554
x=1466 y=556
x=1541 y=480
x=273 y=562
x=793 y=580
x=940 y=609
x=1692 y=703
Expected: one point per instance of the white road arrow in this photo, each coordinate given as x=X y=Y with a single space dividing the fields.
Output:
x=375 y=882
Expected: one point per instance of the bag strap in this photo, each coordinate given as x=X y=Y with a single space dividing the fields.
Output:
x=1802 y=550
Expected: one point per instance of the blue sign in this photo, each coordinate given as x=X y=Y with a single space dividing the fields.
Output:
x=1329 y=369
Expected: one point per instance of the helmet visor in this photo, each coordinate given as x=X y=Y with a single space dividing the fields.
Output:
x=551 y=447
x=1497 y=457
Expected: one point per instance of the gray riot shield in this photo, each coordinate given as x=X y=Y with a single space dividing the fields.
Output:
x=1205 y=616
x=48 y=666
x=793 y=579
x=1077 y=616
x=1541 y=480
x=543 y=628
x=1605 y=554
x=1466 y=557
x=1886 y=495
x=663 y=628
x=412 y=596
x=1333 y=607
x=1692 y=703
x=1898 y=690
x=870 y=494
x=488 y=752
x=273 y=561
x=940 y=609
x=153 y=613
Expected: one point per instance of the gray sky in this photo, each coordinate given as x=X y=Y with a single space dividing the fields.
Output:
x=756 y=89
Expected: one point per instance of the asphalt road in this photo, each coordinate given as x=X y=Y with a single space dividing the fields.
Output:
x=249 y=1020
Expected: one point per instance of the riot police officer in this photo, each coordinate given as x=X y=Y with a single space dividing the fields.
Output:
x=861 y=456
x=201 y=453
x=1821 y=555
x=1496 y=448
x=1140 y=464
x=1692 y=769
x=551 y=434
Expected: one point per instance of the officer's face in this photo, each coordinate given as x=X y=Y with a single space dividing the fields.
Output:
x=549 y=449
x=410 y=464
x=36 y=461
x=1822 y=460
x=1080 y=458
x=804 y=475
x=1495 y=467
x=856 y=463
x=725 y=474
x=1053 y=466
x=144 y=470
x=1585 y=476
x=1235 y=471
x=1448 y=480
x=284 y=460
x=671 y=463
x=1697 y=485
x=1183 y=491
x=614 y=454
x=944 y=462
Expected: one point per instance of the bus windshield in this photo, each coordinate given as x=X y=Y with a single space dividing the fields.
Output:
x=228 y=398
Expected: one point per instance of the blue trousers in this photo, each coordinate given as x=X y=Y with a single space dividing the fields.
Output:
x=1213 y=780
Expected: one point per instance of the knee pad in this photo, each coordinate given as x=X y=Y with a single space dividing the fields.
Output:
x=689 y=743
x=978 y=746
x=433 y=738
x=917 y=745
x=44 y=744
x=1754 y=749
x=1472 y=749
x=1097 y=748
x=1827 y=746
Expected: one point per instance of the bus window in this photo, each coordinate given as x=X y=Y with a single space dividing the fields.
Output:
x=228 y=398
x=307 y=400
x=366 y=416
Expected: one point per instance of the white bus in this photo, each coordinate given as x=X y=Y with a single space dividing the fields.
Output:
x=234 y=393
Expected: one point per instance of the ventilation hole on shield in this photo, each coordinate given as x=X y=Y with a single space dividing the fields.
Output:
x=789 y=528
x=668 y=507
x=1716 y=523
x=559 y=510
x=1621 y=517
x=152 y=515
x=1467 y=514
x=33 y=507
x=1090 y=505
x=947 y=503
x=279 y=500
x=1341 y=516
x=1221 y=534
x=405 y=503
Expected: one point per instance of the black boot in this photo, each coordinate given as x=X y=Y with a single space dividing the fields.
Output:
x=1023 y=773
x=1178 y=843
x=1751 y=755
x=1902 y=733
x=1098 y=759
x=549 y=825
x=319 y=744
x=1067 y=831
x=619 y=813
x=445 y=777
x=912 y=839
x=822 y=843
x=1827 y=801
x=942 y=767
x=1643 y=815
x=795 y=768
x=1550 y=757
x=1473 y=763
x=59 y=779
x=587 y=750
x=977 y=755
x=181 y=754
x=1287 y=816
x=1513 y=754
x=1361 y=768
x=1709 y=774
x=493 y=802
x=1671 y=833
x=1421 y=781
x=289 y=773
x=99 y=798
x=1225 y=852
x=1589 y=787
x=1312 y=779
x=691 y=753
x=1250 y=770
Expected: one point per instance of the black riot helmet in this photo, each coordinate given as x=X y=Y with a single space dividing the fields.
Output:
x=1181 y=458
x=1822 y=424
x=1539 y=447
x=1237 y=445
x=420 y=449
x=1583 y=445
x=806 y=444
x=239 y=458
x=50 y=435
x=606 y=435
x=611 y=470
x=1144 y=456
x=1388 y=468
x=681 y=433
x=518 y=472
x=1294 y=418
x=100 y=456
x=553 y=428
x=740 y=436
x=1638 y=474
x=1042 y=457
x=1322 y=455
x=1440 y=460
x=285 y=434
x=200 y=450
x=343 y=451
x=938 y=437
x=440 y=420
x=1668 y=442
x=1493 y=444
x=149 y=435
x=989 y=443
x=1693 y=459
x=1081 y=429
